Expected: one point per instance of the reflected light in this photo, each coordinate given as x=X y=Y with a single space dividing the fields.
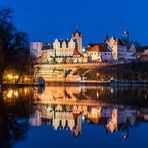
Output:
x=10 y=93
x=26 y=79
x=97 y=94
x=25 y=90
x=83 y=118
x=112 y=90
x=16 y=93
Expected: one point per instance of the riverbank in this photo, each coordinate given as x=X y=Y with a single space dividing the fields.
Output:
x=116 y=83
x=129 y=83
x=100 y=83
x=77 y=83
x=18 y=85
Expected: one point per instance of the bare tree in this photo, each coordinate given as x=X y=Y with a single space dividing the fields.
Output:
x=14 y=46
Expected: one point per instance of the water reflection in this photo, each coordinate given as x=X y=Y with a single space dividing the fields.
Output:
x=67 y=108
x=35 y=118
x=14 y=111
x=71 y=117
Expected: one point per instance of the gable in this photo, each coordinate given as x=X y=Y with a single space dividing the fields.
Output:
x=132 y=48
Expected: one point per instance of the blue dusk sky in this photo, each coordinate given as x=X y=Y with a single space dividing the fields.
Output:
x=46 y=20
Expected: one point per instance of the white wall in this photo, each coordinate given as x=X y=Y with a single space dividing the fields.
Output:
x=36 y=48
x=106 y=56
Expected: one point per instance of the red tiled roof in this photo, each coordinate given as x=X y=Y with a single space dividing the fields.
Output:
x=93 y=48
x=98 y=48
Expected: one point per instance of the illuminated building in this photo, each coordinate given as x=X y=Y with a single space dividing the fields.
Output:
x=99 y=53
x=131 y=53
x=117 y=47
x=35 y=118
x=36 y=49
x=68 y=51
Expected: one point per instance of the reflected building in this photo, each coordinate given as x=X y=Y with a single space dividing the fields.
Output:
x=67 y=120
x=66 y=107
x=35 y=118
x=120 y=119
x=70 y=108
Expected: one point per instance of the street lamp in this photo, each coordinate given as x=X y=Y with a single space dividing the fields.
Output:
x=112 y=78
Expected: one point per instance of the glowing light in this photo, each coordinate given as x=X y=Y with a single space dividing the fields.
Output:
x=84 y=50
x=97 y=94
x=25 y=90
x=112 y=78
x=10 y=76
x=26 y=78
x=16 y=77
x=10 y=93
x=112 y=90
x=83 y=118
x=16 y=93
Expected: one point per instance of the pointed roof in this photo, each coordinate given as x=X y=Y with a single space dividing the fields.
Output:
x=119 y=42
x=94 y=120
x=80 y=34
x=132 y=48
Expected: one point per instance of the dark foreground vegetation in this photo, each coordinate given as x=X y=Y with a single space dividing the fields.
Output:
x=14 y=48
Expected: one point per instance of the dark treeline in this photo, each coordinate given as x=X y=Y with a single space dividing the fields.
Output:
x=14 y=46
x=14 y=57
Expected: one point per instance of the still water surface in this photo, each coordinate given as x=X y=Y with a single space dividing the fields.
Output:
x=78 y=116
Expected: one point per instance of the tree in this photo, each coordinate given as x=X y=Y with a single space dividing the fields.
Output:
x=14 y=46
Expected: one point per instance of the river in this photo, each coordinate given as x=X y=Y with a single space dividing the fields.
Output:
x=74 y=116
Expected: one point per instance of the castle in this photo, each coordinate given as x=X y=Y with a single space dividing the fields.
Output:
x=61 y=51
x=70 y=51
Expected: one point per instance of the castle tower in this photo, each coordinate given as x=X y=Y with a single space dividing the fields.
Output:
x=125 y=38
x=77 y=38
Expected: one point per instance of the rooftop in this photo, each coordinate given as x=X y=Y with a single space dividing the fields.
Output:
x=98 y=48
